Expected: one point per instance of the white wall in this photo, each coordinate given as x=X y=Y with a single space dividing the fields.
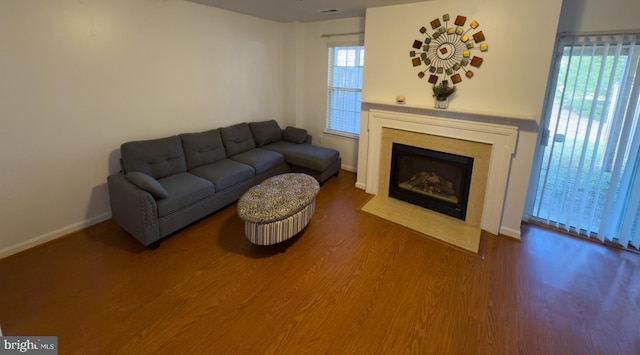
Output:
x=314 y=62
x=509 y=81
x=294 y=75
x=78 y=78
x=599 y=16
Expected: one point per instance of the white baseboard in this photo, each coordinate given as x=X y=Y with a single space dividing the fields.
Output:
x=348 y=168
x=354 y=170
x=27 y=244
x=510 y=232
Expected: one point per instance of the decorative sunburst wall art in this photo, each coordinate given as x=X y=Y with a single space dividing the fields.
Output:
x=448 y=49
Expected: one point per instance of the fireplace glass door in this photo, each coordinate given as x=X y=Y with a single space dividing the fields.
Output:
x=431 y=179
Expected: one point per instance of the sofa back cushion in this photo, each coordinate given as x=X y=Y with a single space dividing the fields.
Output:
x=157 y=157
x=237 y=139
x=202 y=148
x=265 y=132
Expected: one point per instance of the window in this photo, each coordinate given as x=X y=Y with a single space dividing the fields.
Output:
x=589 y=161
x=345 y=89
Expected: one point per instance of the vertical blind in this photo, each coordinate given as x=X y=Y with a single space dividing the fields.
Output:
x=590 y=174
x=345 y=89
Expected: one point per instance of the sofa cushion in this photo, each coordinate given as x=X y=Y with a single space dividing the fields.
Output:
x=259 y=159
x=305 y=155
x=224 y=173
x=295 y=135
x=265 y=132
x=148 y=184
x=184 y=189
x=237 y=139
x=157 y=157
x=202 y=148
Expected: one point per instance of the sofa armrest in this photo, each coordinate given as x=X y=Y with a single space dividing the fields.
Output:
x=133 y=209
x=295 y=135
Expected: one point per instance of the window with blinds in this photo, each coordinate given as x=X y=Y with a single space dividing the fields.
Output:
x=589 y=177
x=344 y=89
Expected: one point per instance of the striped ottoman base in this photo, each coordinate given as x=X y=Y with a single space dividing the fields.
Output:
x=278 y=208
x=279 y=231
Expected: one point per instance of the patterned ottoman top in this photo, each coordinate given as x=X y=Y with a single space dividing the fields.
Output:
x=277 y=198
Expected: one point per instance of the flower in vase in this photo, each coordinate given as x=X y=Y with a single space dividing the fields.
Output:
x=443 y=90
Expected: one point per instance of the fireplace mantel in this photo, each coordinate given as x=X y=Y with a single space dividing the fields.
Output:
x=502 y=139
x=454 y=113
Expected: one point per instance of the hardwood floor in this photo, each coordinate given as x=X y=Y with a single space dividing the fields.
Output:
x=351 y=283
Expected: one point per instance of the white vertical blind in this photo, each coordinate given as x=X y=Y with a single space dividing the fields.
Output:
x=590 y=173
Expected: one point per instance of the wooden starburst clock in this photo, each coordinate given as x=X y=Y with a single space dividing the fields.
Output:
x=449 y=49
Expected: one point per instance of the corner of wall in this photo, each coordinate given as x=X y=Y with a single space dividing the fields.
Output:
x=511 y=232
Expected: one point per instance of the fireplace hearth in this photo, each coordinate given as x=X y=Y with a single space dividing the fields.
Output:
x=431 y=179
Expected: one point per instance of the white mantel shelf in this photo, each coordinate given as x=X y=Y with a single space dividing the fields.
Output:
x=448 y=113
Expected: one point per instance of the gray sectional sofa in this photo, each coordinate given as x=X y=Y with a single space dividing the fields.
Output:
x=168 y=183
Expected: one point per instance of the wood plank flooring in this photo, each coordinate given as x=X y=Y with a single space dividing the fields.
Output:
x=351 y=283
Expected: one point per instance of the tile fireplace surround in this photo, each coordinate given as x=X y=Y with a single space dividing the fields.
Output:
x=454 y=135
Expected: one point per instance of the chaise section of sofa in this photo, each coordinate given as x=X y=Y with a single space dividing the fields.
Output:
x=295 y=145
x=169 y=183
x=319 y=162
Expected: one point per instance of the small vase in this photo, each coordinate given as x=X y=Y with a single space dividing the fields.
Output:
x=442 y=102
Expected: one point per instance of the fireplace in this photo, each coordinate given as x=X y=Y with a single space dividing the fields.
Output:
x=435 y=180
x=491 y=145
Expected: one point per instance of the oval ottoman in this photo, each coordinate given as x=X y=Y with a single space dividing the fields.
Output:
x=278 y=208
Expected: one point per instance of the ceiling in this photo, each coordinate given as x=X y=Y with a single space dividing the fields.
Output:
x=301 y=10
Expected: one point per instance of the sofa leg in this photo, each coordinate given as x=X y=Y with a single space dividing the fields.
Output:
x=153 y=246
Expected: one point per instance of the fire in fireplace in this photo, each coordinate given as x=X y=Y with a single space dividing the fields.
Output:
x=431 y=179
